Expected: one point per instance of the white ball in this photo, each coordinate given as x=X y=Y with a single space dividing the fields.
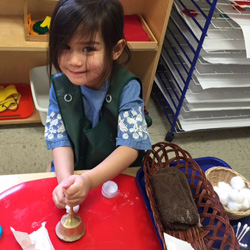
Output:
x=246 y=193
x=236 y=196
x=245 y=204
x=75 y=209
x=234 y=206
x=224 y=186
x=223 y=198
x=237 y=182
x=223 y=195
x=216 y=189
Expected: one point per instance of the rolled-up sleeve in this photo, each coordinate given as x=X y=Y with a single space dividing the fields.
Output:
x=132 y=126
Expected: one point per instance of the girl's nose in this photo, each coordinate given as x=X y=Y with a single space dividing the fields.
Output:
x=75 y=59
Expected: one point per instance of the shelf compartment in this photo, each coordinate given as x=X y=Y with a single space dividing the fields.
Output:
x=38 y=11
x=142 y=27
x=12 y=37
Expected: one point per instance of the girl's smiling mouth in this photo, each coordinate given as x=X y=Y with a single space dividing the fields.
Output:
x=78 y=72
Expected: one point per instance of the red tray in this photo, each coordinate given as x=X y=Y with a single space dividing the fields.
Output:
x=120 y=223
x=25 y=106
x=133 y=30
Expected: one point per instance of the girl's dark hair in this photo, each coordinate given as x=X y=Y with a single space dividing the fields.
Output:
x=86 y=18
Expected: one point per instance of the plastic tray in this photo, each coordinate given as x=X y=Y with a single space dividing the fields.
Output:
x=204 y=162
x=25 y=106
x=120 y=223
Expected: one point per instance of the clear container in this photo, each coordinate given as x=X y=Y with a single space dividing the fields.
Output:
x=109 y=189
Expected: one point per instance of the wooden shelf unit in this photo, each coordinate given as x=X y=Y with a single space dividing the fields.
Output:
x=18 y=56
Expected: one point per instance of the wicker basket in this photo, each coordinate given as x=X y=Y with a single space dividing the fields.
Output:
x=216 y=232
x=217 y=174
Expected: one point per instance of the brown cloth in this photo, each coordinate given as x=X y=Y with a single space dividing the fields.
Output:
x=174 y=199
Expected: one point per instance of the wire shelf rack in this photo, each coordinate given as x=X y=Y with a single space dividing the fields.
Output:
x=193 y=90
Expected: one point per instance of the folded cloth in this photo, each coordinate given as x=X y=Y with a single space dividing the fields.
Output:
x=9 y=98
x=174 y=199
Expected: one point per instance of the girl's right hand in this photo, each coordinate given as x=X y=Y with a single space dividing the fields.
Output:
x=76 y=188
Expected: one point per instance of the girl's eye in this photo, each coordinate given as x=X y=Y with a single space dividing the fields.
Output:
x=88 y=49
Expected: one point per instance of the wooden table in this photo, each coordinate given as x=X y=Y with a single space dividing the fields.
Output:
x=8 y=181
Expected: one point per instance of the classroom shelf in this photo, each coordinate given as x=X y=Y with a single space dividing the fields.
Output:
x=18 y=56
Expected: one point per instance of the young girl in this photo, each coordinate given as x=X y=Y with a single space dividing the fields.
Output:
x=95 y=118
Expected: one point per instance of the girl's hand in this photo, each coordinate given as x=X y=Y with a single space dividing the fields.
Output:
x=59 y=196
x=76 y=188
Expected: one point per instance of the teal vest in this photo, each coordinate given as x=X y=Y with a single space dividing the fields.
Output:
x=90 y=145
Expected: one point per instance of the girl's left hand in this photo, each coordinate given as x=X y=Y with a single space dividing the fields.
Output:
x=76 y=189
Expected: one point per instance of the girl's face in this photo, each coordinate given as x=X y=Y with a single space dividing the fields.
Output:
x=82 y=61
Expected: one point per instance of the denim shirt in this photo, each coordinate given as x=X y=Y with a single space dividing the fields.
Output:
x=132 y=127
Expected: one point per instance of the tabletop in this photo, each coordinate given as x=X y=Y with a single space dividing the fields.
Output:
x=122 y=222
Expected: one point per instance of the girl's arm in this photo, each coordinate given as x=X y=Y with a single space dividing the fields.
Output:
x=78 y=186
x=119 y=160
x=64 y=162
x=64 y=167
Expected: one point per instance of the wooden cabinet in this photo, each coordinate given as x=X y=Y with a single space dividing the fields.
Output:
x=18 y=56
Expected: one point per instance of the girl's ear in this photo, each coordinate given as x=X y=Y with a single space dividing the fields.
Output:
x=118 y=49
